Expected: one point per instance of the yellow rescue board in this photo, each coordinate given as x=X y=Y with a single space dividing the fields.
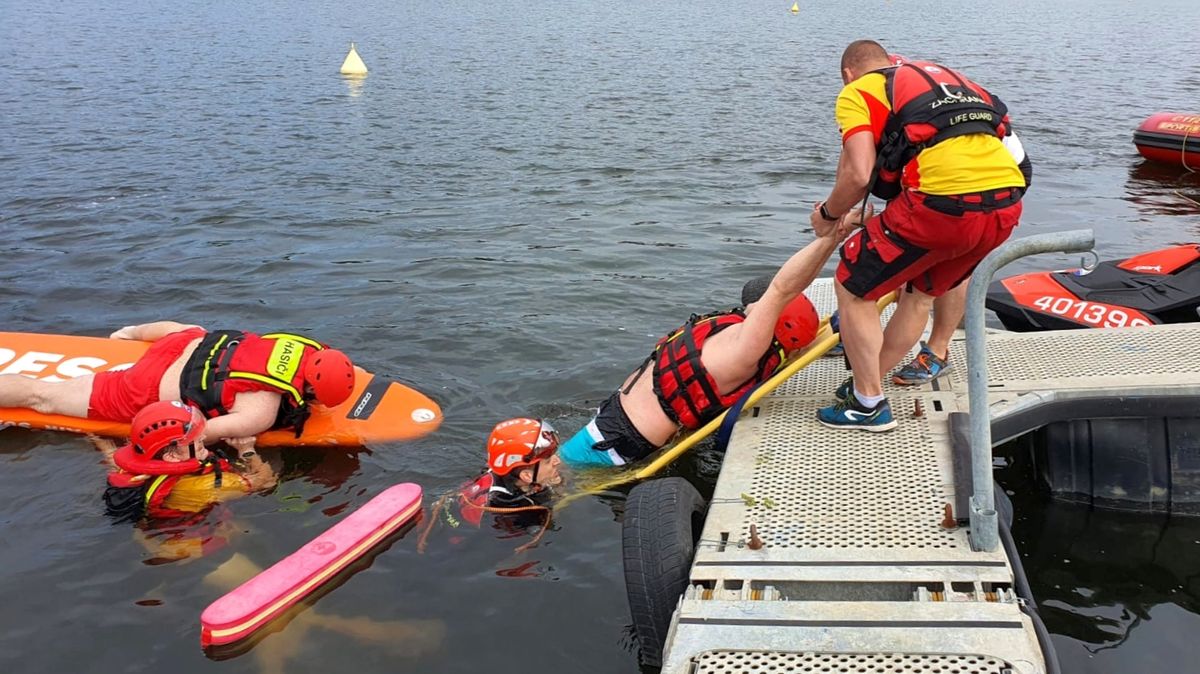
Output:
x=380 y=410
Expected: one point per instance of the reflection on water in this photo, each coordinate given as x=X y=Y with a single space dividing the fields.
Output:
x=1158 y=189
x=1102 y=577
x=354 y=84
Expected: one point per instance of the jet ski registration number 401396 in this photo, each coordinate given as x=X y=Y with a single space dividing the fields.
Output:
x=1093 y=313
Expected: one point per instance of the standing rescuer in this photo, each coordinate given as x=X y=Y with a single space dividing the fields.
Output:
x=928 y=140
x=933 y=358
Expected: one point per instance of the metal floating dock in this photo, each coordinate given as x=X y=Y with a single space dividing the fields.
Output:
x=858 y=570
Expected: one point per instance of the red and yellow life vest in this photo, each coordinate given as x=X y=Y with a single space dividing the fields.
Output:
x=930 y=103
x=686 y=391
x=157 y=478
x=228 y=362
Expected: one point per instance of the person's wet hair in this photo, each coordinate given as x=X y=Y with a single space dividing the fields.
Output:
x=755 y=288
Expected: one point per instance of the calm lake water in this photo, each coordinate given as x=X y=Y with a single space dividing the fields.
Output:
x=505 y=214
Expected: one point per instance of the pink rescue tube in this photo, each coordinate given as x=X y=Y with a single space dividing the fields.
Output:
x=257 y=601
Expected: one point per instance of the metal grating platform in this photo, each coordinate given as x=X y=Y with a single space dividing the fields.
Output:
x=1085 y=358
x=773 y=662
x=856 y=572
x=826 y=490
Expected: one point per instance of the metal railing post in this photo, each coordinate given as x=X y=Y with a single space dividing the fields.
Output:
x=985 y=531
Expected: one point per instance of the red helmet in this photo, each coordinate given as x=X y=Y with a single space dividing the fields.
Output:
x=897 y=60
x=797 y=324
x=520 y=442
x=330 y=374
x=159 y=425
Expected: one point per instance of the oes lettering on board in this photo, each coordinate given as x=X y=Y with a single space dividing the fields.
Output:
x=52 y=366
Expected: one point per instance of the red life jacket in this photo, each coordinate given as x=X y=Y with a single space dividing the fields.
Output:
x=930 y=103
x=473 y=497
x=228 y=362
x=487 y=492
x=686 y=391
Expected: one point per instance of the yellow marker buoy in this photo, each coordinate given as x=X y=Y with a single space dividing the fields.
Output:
x=353 y=65
x=795 y=8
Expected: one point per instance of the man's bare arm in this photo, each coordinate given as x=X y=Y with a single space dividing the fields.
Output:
x=739 y=348
x=797 y=273
x=150 y=332
x=256 y=470
x=107 y=447
x=855 y=166
x=793 y=278
x=252 y=413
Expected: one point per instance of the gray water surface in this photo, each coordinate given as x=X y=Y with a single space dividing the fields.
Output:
x=506 y=213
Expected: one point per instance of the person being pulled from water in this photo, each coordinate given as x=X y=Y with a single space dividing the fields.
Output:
x=244 y=382
x=520 y=479
x=699 y=370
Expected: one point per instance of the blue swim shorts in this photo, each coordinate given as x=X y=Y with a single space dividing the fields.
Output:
x=609 y=439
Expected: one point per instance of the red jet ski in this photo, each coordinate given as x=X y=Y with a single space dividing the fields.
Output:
x=1162 y=286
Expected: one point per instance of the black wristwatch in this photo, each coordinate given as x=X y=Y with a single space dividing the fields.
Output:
x=825 y=214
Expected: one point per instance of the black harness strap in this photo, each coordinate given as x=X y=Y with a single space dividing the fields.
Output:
x=693 y=354
x=896 y=149
x=640 y=371
x=203 y=375
x=983 y=202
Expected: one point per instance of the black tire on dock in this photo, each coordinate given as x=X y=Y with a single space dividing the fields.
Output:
x=1004 y=504
x=663 y=520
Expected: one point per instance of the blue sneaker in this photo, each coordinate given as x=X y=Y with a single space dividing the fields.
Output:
x=836 y=350
x=923 y=369
x=845 y=390
x=850 y=414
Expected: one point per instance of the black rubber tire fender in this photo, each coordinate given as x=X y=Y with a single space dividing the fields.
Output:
x=663 y=520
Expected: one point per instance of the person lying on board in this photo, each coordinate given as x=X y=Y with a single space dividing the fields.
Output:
x=520 y=479
x=696 y=372
x=166 y=472
x=245 y=383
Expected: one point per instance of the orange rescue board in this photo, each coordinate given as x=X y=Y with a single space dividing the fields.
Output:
x=379 y=411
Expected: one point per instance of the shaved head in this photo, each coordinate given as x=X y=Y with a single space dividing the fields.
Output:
x=863 y=56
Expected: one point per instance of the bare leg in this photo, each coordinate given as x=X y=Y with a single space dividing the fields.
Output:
x=948 y=313
x=863 y=339
x=232 y=572
x=903 y=329
x=411 y=638
x=107 y=447
x=68 y=397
